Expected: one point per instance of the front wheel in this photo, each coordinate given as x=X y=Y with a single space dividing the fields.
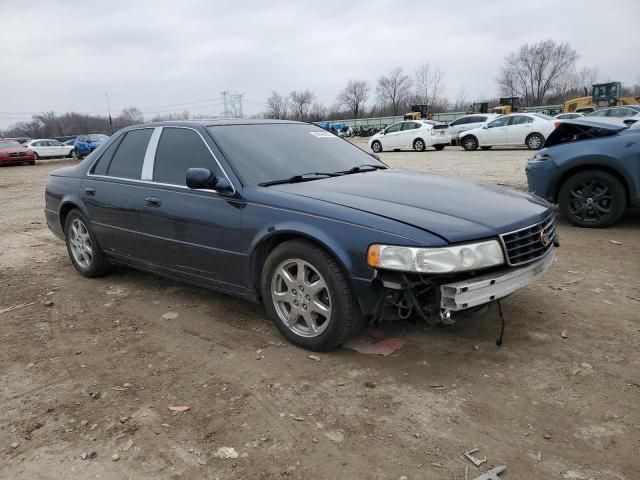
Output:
x=376 y=147
x=308 y=297
x=470 y=143
x=592 y=199
x=535 y=141
x=439 y=147
x=85 y=253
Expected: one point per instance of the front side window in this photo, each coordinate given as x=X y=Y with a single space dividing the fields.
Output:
x=178 y=150
x=394 y=128
x=128 y=158
x=499 y=122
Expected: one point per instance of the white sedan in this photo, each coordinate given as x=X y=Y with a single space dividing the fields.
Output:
x=415 y=134
x=48 y=148
x=615 y=115
x=467 y=122
x=528 y=129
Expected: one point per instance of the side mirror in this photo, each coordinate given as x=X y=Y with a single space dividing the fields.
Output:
x=485 y=126
x=203 y=178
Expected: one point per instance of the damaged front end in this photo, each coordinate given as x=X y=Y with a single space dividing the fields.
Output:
x=437 y=299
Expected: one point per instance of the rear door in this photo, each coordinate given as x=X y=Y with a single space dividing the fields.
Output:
x=112 y=193
x=191 y=232
x=518 y=129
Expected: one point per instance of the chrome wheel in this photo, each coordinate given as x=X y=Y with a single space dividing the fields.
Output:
x=534 y=142
x=418 y=145
x=80 y=242
x=376 y=147
x=301 y=298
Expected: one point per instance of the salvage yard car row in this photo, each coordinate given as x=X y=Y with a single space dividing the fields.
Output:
x=79 y=147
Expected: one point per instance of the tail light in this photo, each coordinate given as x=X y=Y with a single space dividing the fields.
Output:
x=557 y=123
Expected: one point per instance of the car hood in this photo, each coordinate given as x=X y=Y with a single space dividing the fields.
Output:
x=8 y=150
x=453 y=209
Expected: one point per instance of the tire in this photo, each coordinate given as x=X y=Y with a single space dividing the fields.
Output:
x=37 y=156
x=33 y=163
x=78 y=236
x=470 y=143
x=534 y=141
x=70 y=155
x=376 y=146
x=313 y=328
x=485 y=148
x=439 y=147
x=592 y=198
x=418 y=145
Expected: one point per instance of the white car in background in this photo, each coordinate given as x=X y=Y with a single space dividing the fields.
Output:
x=568 y=116
x=467 y=122
x=516 y=129
x=411 y=134
x=615 y=115
x=49 y=148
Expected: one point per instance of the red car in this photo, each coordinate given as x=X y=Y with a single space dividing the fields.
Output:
x=13 y=152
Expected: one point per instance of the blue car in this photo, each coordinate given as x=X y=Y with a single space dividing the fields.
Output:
x=591 y=170
x=85 y=144
x=325 y=235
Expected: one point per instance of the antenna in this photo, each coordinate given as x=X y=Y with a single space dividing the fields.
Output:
x=109 y=112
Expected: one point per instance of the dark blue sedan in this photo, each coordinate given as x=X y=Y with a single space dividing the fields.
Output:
x=288 y=214
x=592 y=170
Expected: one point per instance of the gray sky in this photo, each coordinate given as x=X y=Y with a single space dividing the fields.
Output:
x=64 y=56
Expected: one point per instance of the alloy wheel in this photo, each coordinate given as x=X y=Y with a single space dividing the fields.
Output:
x=418 y=145
x=534 y=142
x=590 y=200
x=301 y=298
x=80 y=242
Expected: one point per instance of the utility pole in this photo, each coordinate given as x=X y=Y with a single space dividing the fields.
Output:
x=109 y=112
x=225 y=94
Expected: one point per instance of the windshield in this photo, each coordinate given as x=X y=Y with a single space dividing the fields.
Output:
x=97 y=138
x=5 y=144
x=266 y=152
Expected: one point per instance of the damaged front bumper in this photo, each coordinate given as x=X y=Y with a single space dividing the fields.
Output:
x=493 y=286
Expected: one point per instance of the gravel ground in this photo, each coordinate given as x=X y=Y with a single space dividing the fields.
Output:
x=88 y=369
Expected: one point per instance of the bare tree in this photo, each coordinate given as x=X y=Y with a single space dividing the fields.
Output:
x=461 y=102
x=429 y=81
x=533 y=71
x=354 y=96
x=277 y=106
x=301 y=103
x=394 y=89
x=130 y=116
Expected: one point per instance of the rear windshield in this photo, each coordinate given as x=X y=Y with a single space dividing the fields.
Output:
x=570 y=132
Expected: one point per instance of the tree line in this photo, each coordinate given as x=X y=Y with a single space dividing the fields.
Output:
x=542 y=73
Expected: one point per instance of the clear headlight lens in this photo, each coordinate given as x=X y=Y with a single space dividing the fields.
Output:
x=459 y=258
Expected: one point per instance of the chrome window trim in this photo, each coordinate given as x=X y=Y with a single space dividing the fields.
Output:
x=150 y=155
x=149 y=164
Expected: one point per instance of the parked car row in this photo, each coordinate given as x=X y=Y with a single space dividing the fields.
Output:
x=77 y=147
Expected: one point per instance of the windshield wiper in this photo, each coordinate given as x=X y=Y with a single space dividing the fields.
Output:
x=367 y=167
x=302 y=177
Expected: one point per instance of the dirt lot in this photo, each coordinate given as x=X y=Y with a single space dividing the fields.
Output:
x=97 y=370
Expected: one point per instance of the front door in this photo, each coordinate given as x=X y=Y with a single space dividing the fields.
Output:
x=495 y=133
x=190 y=232
x=390 y=139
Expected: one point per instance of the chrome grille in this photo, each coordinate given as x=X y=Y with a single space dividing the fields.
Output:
x=525 y=245
x=17 y=154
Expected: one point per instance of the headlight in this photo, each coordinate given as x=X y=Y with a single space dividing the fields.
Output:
x=459 y=258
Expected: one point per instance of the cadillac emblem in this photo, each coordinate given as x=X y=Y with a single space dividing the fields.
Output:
x=544 y=238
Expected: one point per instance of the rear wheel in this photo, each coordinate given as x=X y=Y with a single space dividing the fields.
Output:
x=418 y=145
x=376 y=146
x=439 y=147
x=308 y=297
x=534 y=141
x=470 y=143
x=85 y=253
x=592 y=199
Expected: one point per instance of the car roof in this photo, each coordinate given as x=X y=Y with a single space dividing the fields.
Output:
x=592 y=123
x=216 y=122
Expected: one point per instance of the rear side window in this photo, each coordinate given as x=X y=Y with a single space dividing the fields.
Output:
x=129 y=156
x=101 y=167
x=178 y=150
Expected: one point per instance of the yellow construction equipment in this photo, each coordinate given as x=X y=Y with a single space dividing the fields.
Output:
x=602 y=95
x=418 y=112
x=508 y=105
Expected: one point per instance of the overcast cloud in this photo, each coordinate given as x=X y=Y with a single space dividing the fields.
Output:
x=64 y=56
